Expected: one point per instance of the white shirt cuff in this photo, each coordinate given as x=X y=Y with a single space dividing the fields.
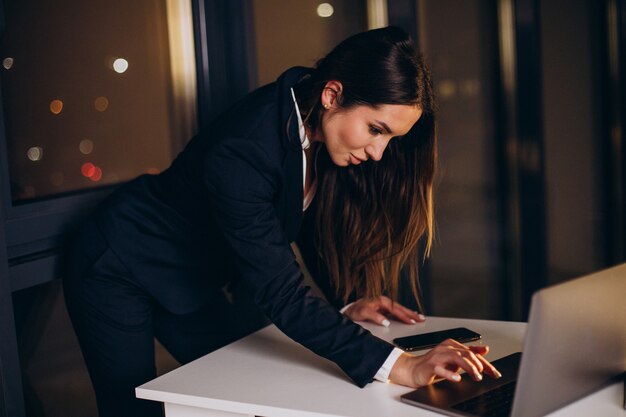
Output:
x=383 y=373
x=344 y=308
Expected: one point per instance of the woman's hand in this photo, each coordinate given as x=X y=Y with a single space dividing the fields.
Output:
x=378 y=309
x=443 y=361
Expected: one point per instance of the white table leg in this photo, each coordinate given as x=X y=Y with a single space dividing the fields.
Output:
x=177 y=410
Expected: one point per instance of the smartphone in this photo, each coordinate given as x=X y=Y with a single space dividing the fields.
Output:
x=428 y=340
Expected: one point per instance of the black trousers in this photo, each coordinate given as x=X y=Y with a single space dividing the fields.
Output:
x=116 y=322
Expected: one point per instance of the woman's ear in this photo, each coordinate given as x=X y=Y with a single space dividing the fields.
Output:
x=330 y=94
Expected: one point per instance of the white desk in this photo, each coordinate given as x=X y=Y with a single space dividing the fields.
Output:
x=267 y=374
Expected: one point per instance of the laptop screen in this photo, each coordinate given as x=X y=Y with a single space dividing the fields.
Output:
x=575 y=342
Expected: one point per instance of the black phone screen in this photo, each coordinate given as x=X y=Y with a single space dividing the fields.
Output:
x=428 y=340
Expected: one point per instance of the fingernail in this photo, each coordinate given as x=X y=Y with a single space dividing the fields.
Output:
x=413 y=321
x=478 y=376
x=456 y=377
x=421 y=316
x=497 y=373
x=385 y=323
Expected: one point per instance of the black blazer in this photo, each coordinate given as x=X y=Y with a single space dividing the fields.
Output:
x=226 y=210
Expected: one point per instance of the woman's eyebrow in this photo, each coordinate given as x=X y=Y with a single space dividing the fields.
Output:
x=384 y=125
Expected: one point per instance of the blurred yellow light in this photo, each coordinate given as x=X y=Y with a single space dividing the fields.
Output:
x=7 y=63
x=56 y=106
x=325 y=10
x=101 y=104
x=86 y=146
x=120 y=65
x=35 y=153
x=446 y=89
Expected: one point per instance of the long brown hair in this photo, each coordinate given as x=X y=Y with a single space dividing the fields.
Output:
x=370 y=218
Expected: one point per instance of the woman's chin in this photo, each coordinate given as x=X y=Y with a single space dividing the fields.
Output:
x=340 y=162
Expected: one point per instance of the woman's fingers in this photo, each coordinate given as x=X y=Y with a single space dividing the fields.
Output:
x=378 y=310
x=373 y=315
x=489 y=369
x=413 y=317
x=400 y=312
x=376 y=317
x=479 y=353
x=442 y=372
x=474 y=356
x=450 y=355
x=403 y=315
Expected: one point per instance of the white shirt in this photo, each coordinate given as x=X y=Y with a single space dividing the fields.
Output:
x=383 y=373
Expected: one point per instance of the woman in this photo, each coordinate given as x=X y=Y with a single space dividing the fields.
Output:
x=356 y=137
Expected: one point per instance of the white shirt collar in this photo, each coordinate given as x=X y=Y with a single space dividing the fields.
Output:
x=304 y=140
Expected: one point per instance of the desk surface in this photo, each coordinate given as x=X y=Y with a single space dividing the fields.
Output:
x=268 y=374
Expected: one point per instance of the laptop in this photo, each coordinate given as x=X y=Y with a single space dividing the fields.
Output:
x=575 y=344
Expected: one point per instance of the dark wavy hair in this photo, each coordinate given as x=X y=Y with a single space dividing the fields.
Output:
x=370 y=217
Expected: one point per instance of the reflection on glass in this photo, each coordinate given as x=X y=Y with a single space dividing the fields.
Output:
x=107 y=101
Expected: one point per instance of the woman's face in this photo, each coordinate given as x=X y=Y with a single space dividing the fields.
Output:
x=362 y=132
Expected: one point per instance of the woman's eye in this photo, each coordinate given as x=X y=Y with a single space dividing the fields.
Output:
x=375 y=131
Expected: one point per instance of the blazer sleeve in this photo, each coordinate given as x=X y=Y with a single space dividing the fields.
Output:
x=242 y=181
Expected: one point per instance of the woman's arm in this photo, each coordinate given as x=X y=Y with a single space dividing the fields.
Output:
x=243 y=180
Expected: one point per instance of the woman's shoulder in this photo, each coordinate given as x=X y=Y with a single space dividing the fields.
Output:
x=265 y=111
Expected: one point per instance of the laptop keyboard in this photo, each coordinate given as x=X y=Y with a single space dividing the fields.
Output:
x=494 y=403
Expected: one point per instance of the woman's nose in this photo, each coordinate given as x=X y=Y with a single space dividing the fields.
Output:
x=376 y=149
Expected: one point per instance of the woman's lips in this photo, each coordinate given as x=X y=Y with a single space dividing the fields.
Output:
x=354 y=160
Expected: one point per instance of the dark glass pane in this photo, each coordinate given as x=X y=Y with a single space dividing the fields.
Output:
x=92 y=91
x=461 y=48
x=292 y=33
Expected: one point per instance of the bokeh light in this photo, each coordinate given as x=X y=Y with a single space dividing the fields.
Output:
x=88 y=169
x=97 y=175
x=35 y=153
x=86 y=146
x=56 y=106
x=101 y=104
x=91 y=171
x=325 y=10
x=120 y=65
x=7 y=63
x=446 y=89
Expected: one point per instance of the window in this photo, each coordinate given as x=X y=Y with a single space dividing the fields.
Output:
x=94 y=93
x=292 y=33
